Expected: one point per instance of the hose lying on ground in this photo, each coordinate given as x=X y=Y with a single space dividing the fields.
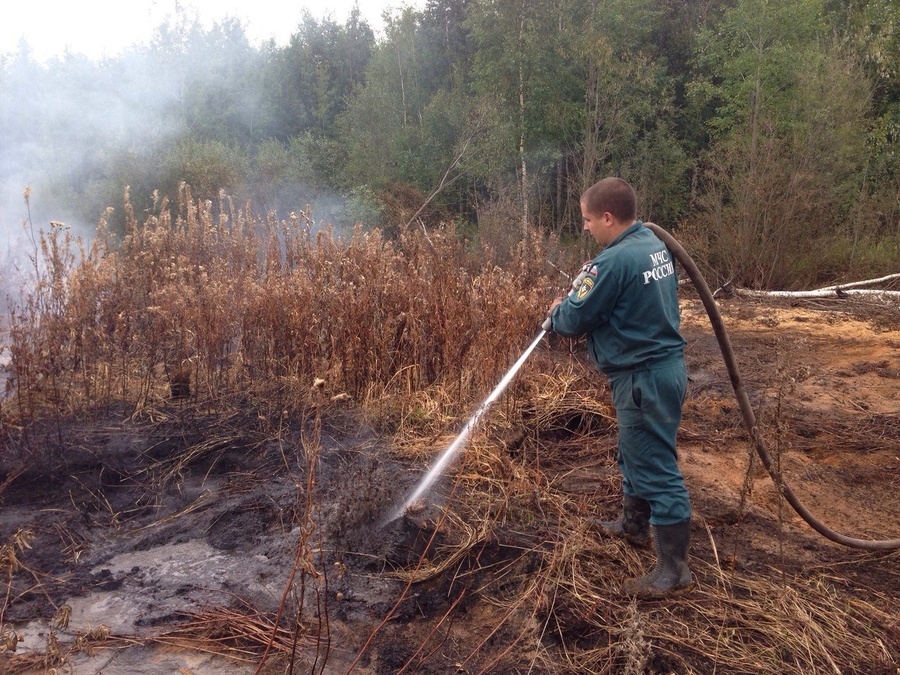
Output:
x=743 y=400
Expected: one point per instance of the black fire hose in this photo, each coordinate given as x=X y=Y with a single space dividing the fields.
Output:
x=743 y=400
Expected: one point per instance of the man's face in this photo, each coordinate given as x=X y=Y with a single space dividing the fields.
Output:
x=597 y=225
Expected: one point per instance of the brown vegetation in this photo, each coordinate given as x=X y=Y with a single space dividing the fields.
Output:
x=505 y=576
x=261 y=308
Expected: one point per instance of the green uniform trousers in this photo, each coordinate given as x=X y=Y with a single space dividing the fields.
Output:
x=648 y=404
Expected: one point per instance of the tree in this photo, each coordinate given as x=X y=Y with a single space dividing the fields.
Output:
x=207 y=79
x=873 y=29
x=447 y=48
x=621 y=118
x=403 y=125
x=787 y=161
x=523 y=60
x=313 y=78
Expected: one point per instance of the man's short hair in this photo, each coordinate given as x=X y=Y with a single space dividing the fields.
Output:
x=613 y=195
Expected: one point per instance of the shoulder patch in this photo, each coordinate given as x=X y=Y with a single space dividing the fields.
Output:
x=585 y=288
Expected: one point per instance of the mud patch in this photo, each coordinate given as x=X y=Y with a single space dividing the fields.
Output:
x=227 y=532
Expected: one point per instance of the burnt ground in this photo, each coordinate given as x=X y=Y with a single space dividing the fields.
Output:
x=175 y=540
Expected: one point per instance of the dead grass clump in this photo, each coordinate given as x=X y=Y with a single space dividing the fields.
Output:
x=10 y=552
x=565 y=404
x=521 y=536
x=240 y=635
x=205 y=304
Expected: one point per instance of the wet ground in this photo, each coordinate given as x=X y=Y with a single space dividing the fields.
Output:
x=137 y=540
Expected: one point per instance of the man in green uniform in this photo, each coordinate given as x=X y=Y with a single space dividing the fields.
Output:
x=628 y=307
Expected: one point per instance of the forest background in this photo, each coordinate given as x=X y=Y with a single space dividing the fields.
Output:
x=766 y=134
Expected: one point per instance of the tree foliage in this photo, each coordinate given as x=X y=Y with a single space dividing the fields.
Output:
x=786 y=163
x=771 y=129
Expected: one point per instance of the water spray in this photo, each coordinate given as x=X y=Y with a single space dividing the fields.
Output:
x=460 y=440
x=463 y=435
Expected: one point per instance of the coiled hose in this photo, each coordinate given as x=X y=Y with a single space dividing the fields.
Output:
x=743 y=400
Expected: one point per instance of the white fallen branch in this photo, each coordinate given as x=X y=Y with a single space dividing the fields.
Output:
x=836 y=292
x=856 y=284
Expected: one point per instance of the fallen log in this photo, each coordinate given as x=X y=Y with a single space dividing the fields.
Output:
x=857 y=284
x=835 y=292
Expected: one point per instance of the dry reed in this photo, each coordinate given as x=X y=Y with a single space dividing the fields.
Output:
x=211 y=303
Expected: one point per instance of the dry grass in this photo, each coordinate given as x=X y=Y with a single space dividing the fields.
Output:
x=567 y=615
x=207 y=306
x=240 y=635
x=232 y=319
x=556 y=587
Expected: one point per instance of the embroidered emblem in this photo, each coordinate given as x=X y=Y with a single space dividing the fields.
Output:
x=585 y=288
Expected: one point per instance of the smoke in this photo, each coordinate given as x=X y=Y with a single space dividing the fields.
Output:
x=196 y=104
x=76 y=132
x=63 y=123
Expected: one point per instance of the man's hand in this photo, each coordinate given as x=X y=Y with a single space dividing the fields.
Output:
x=548 y=324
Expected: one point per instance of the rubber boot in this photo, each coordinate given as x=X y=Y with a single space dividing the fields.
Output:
x=671 y=575
x=633 y=525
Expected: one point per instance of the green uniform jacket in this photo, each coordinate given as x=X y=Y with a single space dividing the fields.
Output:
x=627 y=305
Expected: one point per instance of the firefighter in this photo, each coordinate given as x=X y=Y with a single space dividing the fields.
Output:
x=627 y=305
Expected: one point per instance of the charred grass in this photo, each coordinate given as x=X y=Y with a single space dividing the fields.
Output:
x=229 y=344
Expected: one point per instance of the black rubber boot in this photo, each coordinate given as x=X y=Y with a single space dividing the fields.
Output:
x=671 y=575
x=633 y=525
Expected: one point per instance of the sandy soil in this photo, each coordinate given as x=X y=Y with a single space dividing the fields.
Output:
x=132 y=538
x=826 y=385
